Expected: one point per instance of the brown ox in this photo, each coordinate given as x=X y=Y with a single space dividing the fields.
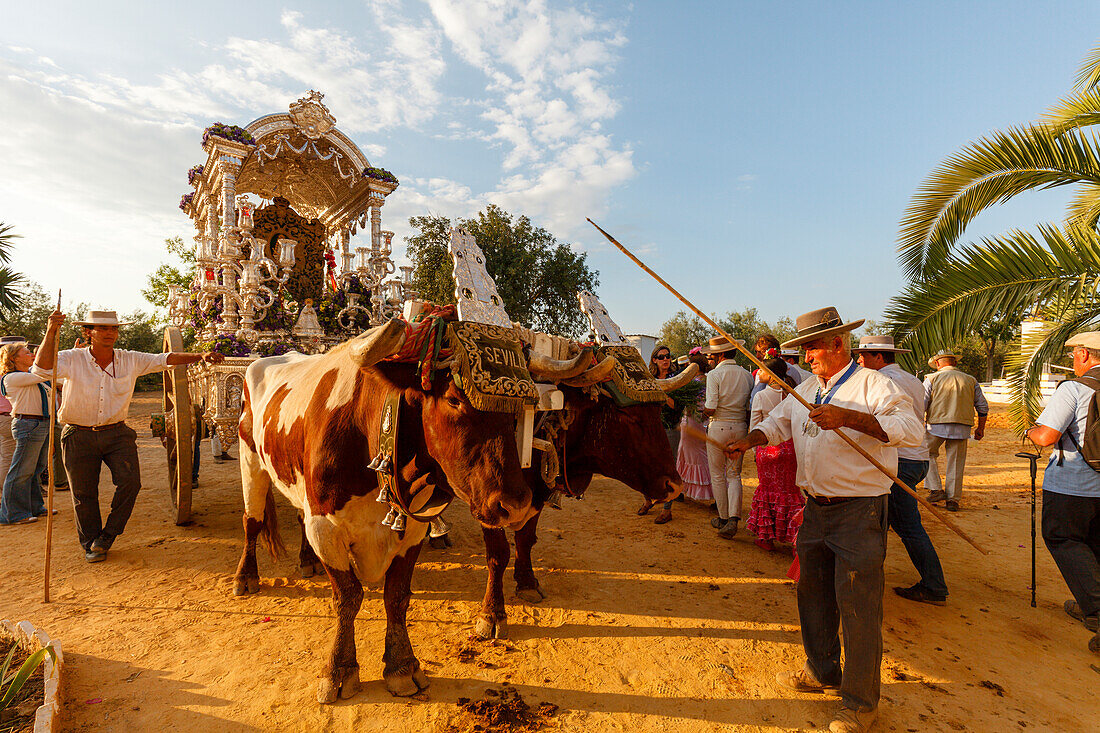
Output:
x=309 y=428
x=628 y=444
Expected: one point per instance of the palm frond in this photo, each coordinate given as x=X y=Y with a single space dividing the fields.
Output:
x=1007 y=274
x=1026 y=364
x=1076 y=111
x=1088 y=76
x=11 y=284
x=7 y=237
x=989 y=171
x=1083 y=210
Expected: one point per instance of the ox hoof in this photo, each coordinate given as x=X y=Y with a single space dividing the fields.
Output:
x=531 y=595
x=310 y=569
x=244 y=586
x=486 y=628
x=406 y=685
x=342 y=682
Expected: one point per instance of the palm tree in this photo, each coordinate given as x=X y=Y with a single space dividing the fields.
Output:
x=1054 y=276
x=10 y=280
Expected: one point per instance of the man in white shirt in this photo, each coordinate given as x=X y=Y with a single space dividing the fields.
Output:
x=727 y=406
x=842 y=542
x=96 y=400
x=878 y=353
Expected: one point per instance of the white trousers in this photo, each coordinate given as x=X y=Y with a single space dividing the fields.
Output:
x=725 y=475
x=955 y=453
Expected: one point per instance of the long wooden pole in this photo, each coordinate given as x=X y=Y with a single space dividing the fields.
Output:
x=49 y=467
x=786 y=388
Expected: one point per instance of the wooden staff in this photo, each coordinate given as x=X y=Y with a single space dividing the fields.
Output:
x=789 y=390
x=49 y=467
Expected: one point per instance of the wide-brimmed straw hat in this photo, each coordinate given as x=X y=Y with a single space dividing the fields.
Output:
x=101 y=318
x=818 y=324
x=880 y=343
x=12 y=339
x=944 y=352
x=790 y=352
x=720 y=344
x=1088 y=339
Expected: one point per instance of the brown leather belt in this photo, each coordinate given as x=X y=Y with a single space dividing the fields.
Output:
x=31 y=417
x=98 y=428
x=830 y=500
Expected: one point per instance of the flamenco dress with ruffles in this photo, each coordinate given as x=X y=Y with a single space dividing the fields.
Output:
x=691 y=456
x=777 y=500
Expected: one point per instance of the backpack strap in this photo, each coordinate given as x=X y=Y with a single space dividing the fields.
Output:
x=1092 y=382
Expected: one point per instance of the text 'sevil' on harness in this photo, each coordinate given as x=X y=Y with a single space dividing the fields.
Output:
x=490 y=367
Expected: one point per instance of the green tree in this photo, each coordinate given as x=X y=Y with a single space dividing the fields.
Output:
x=537 y=277
x=1053 y=275
x=11 y=281
x=681 y=333
x=29 y=317
x=181 y=273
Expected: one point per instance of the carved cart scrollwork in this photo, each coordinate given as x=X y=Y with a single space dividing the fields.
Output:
x=286 y=272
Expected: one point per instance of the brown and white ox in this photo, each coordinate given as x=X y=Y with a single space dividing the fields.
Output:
x=626 y=443
x=309 y=429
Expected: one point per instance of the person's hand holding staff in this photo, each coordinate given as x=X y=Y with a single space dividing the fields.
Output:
x=821 y=416
x=58 y=318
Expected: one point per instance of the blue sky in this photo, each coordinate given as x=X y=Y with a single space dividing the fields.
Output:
x=754 y=154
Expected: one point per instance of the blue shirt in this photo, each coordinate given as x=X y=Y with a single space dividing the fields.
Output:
x=1066 y=412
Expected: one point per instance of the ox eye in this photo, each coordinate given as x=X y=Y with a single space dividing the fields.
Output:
x=454 y=401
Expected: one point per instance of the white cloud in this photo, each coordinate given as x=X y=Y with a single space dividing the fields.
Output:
x=92 y=165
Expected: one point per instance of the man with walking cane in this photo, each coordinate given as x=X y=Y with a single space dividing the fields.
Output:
x=96 y=400
x=1071 y=486
x=841 y=545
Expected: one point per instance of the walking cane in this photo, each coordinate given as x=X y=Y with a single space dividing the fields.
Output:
x=50 y=474
x=789 y=390
x=1034 y=459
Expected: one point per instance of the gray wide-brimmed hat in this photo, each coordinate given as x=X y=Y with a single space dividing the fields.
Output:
x=720 y=344
x=101 y=318
x=12 y=339
x=790 y=352
x=819 y=323
x=880 y=343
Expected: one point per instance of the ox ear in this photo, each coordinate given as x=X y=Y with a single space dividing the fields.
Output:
x=376 y=344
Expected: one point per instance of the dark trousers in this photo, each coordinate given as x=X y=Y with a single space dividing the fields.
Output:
x=84 y=452
x=841 y=548
x=1071 y=531
x=904 y=515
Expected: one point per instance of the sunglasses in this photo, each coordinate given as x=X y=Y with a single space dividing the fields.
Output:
x=663 y=356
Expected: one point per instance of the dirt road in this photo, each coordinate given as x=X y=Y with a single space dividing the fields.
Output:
x=646 y=628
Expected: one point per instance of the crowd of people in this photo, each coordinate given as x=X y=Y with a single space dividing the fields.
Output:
x=819 y=495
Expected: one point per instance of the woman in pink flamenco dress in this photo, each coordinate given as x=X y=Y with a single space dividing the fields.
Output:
x=691 y=457
x=777 y=501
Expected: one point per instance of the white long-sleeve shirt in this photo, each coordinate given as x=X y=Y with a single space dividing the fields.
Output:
x=94 y=396
x=827 y=466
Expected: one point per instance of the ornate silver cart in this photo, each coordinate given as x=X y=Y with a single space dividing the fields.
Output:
x=276 y=205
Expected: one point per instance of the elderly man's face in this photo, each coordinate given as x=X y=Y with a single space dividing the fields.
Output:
x=824 y=355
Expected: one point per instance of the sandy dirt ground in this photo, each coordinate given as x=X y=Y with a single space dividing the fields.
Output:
x=645 y=628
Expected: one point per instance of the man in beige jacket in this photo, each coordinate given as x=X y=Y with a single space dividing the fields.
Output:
x=951 y=399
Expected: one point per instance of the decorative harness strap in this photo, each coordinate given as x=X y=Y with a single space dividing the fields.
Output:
x=425 y=504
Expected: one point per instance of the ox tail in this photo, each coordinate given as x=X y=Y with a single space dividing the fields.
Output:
x=269 y=531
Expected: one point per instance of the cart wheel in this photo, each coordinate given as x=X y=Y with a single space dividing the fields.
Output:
x=177 y=404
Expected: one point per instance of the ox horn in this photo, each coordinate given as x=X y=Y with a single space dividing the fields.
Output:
x=599 y=373
x=544 y=368
x=376 y=344
x=680 y=379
